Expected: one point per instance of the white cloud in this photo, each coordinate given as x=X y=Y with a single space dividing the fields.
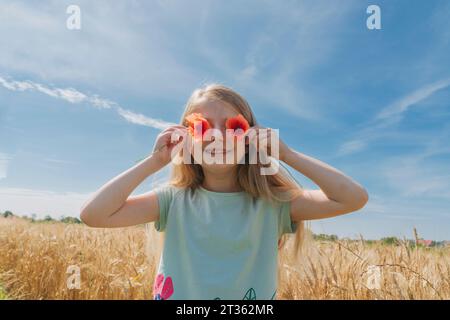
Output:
x=377 y=128
x=415 y=176
x=168 y=48
x=350 y=147
x=74 y=96
x=273 y=66
x=68 y=94
x=411 y=99
x=120 y=45
x=140 y=119
x=71 y=95
x=411 y=180
x=102 y=103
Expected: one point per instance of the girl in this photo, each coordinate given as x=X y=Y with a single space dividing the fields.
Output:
x=223 y=222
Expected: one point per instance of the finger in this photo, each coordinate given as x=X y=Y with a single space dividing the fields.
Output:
x=176 y=137
x=174 y=132
x=177 y=127
x=178 y=130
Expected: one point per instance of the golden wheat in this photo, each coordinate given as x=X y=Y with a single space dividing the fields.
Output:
x=120 y=264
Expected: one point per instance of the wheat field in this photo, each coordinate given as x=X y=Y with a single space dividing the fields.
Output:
x=37 y=261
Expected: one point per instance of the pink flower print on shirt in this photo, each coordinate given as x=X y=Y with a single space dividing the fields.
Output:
x=162 y=290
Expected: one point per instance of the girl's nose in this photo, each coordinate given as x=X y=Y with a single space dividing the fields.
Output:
x=220 y=127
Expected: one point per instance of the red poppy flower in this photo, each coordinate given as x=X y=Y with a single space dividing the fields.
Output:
x=197 y=125
x=238 y=122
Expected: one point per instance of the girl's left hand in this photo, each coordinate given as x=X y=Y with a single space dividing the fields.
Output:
x=263 y=140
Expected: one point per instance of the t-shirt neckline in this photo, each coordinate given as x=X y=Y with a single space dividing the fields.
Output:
x=223 y=194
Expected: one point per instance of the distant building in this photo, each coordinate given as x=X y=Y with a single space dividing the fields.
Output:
x=426 y=243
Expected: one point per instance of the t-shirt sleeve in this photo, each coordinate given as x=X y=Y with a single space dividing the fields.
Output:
x=165 y=195
x=285 y=223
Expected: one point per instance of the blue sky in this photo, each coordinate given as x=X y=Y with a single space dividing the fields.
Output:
x=78 y=107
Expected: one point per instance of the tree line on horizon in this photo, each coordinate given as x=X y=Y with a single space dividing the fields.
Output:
x=318 y=237
x=47 y=218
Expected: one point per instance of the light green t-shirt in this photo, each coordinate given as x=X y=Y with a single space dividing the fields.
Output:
x=218 y=245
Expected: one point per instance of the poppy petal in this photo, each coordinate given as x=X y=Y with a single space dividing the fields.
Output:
x=238 y=122
x=197 y=125
x=193 y=116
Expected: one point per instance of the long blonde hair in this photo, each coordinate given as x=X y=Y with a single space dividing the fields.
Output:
x=281 y=186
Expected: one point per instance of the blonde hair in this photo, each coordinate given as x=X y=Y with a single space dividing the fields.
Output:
x=281 y=186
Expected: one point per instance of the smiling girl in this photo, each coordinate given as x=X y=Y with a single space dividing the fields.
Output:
x=223 y=223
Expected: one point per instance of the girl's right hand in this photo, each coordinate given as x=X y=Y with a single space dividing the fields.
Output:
x=164 y=144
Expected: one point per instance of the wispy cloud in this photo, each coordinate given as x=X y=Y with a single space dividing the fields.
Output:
x=121 y=45
x=411 y=99
x=352 y=146
x=74 y=96
x=414 y=175
x=166 y=49
x=69 y=94
x=140 y=119
x=411 y=179
x=376 y=128
x=266 y=69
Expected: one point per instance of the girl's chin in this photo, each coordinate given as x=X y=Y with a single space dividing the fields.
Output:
x=215 y=163
x=212 y=164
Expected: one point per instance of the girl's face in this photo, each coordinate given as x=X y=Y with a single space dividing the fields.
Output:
x=217 y=113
